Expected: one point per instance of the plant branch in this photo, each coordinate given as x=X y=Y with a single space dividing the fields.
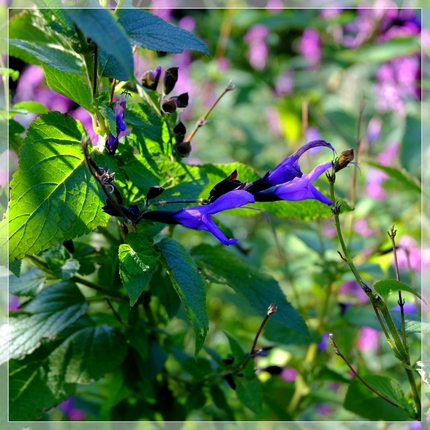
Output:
x=336 y=350
x=115 y=312
x=202 y=121
x=167 y=202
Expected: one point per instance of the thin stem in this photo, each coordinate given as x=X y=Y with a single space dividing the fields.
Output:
x=115 y=312
x=95 y=61
x=270 y=311
x=112 y=90
x=392 y=234
x=202 y=121
x=105 y=180
x=167 y=202
x=224 y=33
x=336 y=350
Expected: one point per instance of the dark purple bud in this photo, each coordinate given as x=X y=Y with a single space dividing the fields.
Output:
x=151 y=78
x=228 y=361
x=230 y=380
x=168 y=106
x=112 y=144
x=180 y=131
x=273 y=370
x=111 y=210
x=181 y=100
x=262 y=352
x=68 y=244
x=183 y=148
x=228 y=184
x=170 y=79
x=133 y=212
x=154 y=192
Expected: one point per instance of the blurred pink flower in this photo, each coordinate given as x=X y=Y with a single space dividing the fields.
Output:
x=13 y=303
x=361 y=226
x=374 y=129
x=409 y=250
x=141 y=66
x=164 y=8
x=274 y=6
x=375 y=179
x=284 y=84
x=329 y=231
x=324 y=409
x=310 y=47
x=187 y=23
x=368 y=339
x=258 y=49
x=387 y=156
x=289 y=374
x=273 y=120
x=223 y=64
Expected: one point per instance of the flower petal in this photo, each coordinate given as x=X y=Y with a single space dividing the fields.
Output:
x=213 y=228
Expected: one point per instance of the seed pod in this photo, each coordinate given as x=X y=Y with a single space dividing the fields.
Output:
x=170 y=79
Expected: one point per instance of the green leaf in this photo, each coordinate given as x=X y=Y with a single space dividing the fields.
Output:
x=378 y=53
x=388 y=287
x=74 y=89
x=101 y=26
x=87 y=355
x=400 y=175
x=31 y=107
x=137 y=261
x=259 y=289
x=27 y=377
x=143 y=172
x=410 y=151
x=29 y=283
x=250 y=393
x=63 y=270
x=220 y=401
x=362 y=401
x=51 y=311
x=149 y=31
x=57 y=58
x=109 y=115
x=54 y=198
x=32 y=27
x=189 y=285
x=240 y=356
x=9 y=73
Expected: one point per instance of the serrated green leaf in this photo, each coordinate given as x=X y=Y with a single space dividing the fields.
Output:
x=240 y=356
x=109 y=115
x=87 y=355
x=57 y=58
x=63 y=270
x=220 y=401
x=31 y=26
x=28 y=284
x=101 y=26
x=70 y=86
x=27 y=377
x=143 y=172
x=250 y=393
x=137 y=261
x=260 y=290
x=151 y=32
x=362 y=401
x=51 y=311
x=54 y=198
x=189 y=285
x=387 y=287
x=31 y=107
x=399 y=174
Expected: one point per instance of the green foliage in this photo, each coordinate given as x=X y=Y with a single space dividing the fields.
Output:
x=53 y=196
x=124 y=314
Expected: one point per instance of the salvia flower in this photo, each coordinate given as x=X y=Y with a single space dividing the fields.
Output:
x=199 y=217
x=297 y=189
x=226 y=185
x=119 y=111
x=287 y=170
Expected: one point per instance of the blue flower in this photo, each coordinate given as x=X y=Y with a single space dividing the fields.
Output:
x=296 y=189
x=199 y=217
x=119 y=111
x=287 y=170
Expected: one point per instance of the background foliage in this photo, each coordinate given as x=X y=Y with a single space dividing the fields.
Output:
x=183 y=314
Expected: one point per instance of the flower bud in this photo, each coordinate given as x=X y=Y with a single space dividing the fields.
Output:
x=168 y=106
x=151 y=78
x=180 y=132
x=170 y=79
x=183 y=149
x=154 y=192
x=345 y=158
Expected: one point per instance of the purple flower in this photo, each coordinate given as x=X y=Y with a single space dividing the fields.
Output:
x=119 y=110
x=310 y=47
x=409 y=308
x=374 y=129
x=353 y=288
x=322 y=346
x=199 y=217
x=284 y=84
x=71 y=411
x=297 y=189
x=289 y=169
